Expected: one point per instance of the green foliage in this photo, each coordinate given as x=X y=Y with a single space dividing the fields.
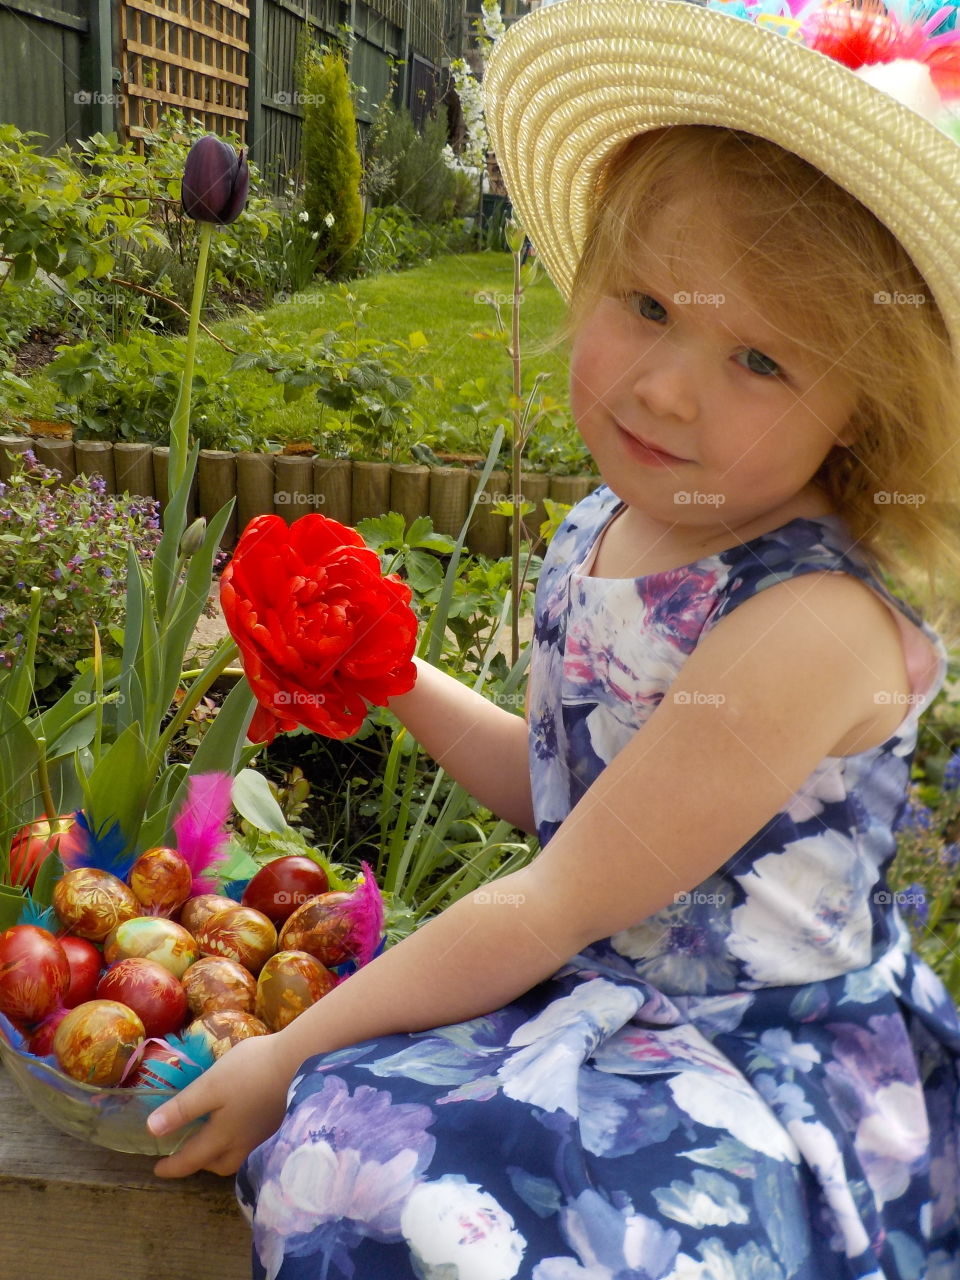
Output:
x=71 y=541
x=331 y=161
x=421 y=182
x=128 y=390
x=392 y=241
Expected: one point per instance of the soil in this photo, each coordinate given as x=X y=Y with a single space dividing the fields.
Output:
x=38 y=350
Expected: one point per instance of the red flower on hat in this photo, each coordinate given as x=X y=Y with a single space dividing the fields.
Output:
x=321 y=631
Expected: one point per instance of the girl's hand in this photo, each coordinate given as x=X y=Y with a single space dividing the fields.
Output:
x=243 y=1096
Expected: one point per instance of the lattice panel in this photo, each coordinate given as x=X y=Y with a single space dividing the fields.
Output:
x=190 y=54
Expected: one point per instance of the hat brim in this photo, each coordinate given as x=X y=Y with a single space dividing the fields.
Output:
x=572 y=80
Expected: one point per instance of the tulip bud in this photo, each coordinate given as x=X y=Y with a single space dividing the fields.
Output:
x=192 y=539
x=215 y=181
x=514 y=235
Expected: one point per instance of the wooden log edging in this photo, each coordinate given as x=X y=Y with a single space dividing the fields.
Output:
x=293 y=485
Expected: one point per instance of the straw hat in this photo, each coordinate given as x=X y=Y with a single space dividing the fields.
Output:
x=569 y=82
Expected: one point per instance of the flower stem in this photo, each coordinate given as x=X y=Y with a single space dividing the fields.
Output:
x=225 y=654
x=180 y=422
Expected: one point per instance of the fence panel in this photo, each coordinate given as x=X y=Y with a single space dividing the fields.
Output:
x=190 y=54
x=43 y=82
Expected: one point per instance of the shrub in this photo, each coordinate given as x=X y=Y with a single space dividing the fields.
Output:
x=420 y=181
x=331 y=161
x=71 y=540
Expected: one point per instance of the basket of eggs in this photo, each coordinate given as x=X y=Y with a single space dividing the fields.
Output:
x=130 y=986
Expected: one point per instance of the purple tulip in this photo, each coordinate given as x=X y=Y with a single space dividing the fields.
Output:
x=215 y=181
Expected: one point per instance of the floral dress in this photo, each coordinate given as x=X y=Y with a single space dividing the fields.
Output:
x=760 y=1081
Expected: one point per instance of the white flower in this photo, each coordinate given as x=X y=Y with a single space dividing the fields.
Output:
x=454 y=1228
x=820 y=1151
x=329 y=220
x=826 y=783
x=730 y=1102
x=303 y=216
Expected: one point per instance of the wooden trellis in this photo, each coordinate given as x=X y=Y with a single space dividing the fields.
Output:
x=190 y=54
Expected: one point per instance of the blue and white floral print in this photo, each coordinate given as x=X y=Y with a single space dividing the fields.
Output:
x=759 y=1082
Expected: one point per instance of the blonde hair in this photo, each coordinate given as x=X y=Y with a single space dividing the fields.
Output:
x=821 y=263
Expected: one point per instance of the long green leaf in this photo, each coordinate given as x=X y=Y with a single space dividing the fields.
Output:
x=222 y=747
x=118 y=787
x=168 y=552
x=253 y=800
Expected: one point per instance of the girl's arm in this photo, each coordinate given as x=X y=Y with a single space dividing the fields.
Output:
x=482 y=746
x=756 y=707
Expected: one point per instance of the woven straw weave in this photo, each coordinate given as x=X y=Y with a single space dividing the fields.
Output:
x=570 y=81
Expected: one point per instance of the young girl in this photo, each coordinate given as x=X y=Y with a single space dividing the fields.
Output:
x=690 y=1040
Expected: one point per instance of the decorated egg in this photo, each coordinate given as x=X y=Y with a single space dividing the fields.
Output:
x=34 y=973
x=141 y=1069
x=224 y=1029
x=150 y=990
x=161 y=879
x=40 y=1041
x=240 y=934
x=290 y=982
x=195 y=910
x=153 y=938
x=85 y=963
x=215 y=983
x=91 y=902
x=283 y=885
x=323 y=927
x=94 y=1041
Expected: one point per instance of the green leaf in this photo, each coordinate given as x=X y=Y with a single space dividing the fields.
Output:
x=11 y=904
x=382 y=531
x=50 y=872
x=424 y=571
x=253 y=800
x=118 y=787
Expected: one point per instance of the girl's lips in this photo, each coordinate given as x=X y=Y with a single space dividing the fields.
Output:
x=648 y=453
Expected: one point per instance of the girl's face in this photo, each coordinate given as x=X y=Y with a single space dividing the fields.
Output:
x=698 y=410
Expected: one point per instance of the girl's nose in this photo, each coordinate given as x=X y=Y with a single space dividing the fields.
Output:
x=666 y=384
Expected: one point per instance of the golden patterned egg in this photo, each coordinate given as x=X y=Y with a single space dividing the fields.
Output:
x=195 y=910
x=161 y=879
x=290 y=982
x=224 y=1029
x=91 y=902
x=322 y=928
x=240 y=934
x=153 y=938
x=95 y=1041
x=215 y=983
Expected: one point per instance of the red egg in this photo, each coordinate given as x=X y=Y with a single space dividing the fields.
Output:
x=41 y=1040
x=85 y=963
x=283 y=885
x=91 y=902
x=161 y=879
x=226 y=1028
x=31 y=845
x=240 y=934
x=34 y=973
x=150 y=990
x=153 y=938
x=195 y=910
x=141 y=1071
x=215 y=983
x=321 y=928
x=289 y=983
x=94 y=1041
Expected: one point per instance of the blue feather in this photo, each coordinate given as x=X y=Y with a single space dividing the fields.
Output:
x=103 y=849
x=42 y=917
x=234 y=889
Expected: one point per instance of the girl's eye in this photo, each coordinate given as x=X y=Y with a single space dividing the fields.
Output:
x=757 y=362
x=647 y=306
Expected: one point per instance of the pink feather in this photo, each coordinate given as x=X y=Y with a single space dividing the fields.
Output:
x=367 y=913
x=200 y=827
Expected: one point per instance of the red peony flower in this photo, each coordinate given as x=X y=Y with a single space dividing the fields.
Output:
x=321 y=631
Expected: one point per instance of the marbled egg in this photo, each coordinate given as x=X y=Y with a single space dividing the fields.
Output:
x=91 y=902
x=95 y=1040
x=323 y=927
x=195 y=910
x=153 y=938
x=161 y=879
x=240 y=934
x=226 y=1028
x=289 y=983
x=215 y=983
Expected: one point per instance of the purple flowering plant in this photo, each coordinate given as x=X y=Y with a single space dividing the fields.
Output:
x=70 y=540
